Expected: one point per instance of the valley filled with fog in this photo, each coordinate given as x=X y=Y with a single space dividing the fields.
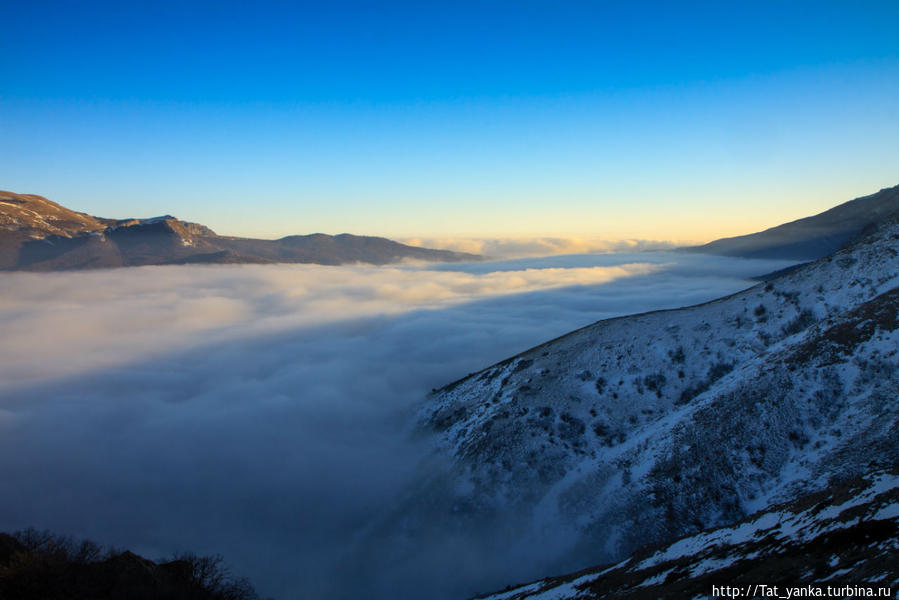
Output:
x=262 y=412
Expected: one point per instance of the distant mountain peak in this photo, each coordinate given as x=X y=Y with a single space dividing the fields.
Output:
x=38 y=234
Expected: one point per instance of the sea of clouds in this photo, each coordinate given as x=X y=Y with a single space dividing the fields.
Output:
x=522 y=247
x=263 y=412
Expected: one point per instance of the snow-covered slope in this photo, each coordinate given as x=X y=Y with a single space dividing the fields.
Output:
x=647 y=428
x=848 y=535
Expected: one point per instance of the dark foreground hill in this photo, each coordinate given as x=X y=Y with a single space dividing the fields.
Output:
x=37 y=565
x=39 y=235
x=812 y=237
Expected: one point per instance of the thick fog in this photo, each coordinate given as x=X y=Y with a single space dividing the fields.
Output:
x=263 y=412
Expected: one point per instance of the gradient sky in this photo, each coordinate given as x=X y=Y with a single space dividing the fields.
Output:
x=651 y=120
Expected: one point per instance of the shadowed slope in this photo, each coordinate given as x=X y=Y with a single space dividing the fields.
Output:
x=811 y=237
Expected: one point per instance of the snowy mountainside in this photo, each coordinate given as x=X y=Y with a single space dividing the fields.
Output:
x=650 y=427
x=842 y=536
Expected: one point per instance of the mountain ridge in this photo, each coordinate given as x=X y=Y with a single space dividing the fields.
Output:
x=38 y=234
x=812 y=237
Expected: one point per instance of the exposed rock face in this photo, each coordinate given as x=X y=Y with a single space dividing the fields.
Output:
x=36 y=217
x=39 y=235
x=812 y=237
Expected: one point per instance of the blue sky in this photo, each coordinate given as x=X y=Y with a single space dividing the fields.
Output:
x=650 y=120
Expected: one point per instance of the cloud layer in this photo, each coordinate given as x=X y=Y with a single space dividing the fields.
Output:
x=65 y=323
x=504 y=248
x=261 y=412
